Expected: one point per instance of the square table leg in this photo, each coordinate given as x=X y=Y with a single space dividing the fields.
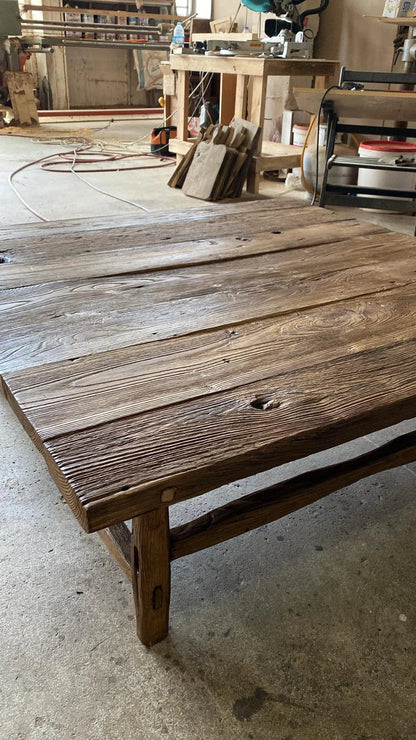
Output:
x=240 y=106
x=256 y=110
x=182 y=91
x=151 y=574
x=227 y=98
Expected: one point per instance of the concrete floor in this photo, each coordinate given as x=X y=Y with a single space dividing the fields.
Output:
x=301 y=630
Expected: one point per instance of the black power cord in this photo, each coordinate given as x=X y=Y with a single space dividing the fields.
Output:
x=321 y=104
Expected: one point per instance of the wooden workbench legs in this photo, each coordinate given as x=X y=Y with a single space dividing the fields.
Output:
x=182 y=113
x=241 y=94
x=154 y=545
x=151 y=575
x=256 y=110
x=228 y=84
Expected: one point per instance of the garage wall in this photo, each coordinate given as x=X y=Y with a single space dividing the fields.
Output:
x=358 y=41
x=98 y=77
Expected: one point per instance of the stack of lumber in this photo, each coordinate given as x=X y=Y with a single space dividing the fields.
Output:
x=216 y=167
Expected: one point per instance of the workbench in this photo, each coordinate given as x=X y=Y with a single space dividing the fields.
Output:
x=386 y=105
x=153 y=358
x=243 y=85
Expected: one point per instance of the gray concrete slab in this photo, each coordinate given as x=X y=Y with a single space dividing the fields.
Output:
x=301 y=630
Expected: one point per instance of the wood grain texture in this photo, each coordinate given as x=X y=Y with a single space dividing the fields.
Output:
x=82 y=228
x=68 y=396
x=21 y=85
x=151 y=575
x=254 y=66
x=257 y=509
x=69 y=319
x=33 y=242
x=117 y=540
x=377 y=104
x=115 y=470
x=141 y=387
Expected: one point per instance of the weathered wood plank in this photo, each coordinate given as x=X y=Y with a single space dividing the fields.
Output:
x=27 y=267
x=98 y=227
x=151 y=575
x=377 y=104
x=117 y=540
x=263 y=507
x=117 y=470
x=69 y=319
x=21 y=91
x=67 y=396
x=171 y=235
x=254 y=66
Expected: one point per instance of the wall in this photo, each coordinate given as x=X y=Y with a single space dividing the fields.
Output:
x=225 y=9
x=358 y=41
x=102 y=77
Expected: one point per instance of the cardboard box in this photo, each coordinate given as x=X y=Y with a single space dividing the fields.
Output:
x=397 y=8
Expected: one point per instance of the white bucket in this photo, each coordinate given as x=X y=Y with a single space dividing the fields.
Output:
x=337 y=175
x=299 y=132
x=387 y=151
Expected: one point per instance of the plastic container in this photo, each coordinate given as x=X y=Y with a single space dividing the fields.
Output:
x=72 y=18
x=88 y=33
x=386 y=151
x=299 y=132
x=159 y=140
x=337 y=175
x=179 y=35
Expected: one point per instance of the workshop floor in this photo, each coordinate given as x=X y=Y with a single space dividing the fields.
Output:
x=302 y=630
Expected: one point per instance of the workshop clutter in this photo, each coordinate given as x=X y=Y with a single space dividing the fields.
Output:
x=159 y=140
x=217 y=166
x=388 y=152
x=397 y=8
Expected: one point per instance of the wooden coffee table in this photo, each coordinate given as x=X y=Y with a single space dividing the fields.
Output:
x=154 y=358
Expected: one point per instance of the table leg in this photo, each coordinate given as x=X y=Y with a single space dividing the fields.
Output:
x=227 y=98
x=182 y=91
x=253 y=179
x=256 y=109
x=151 y=575
x=240 y=108
x=322 y=81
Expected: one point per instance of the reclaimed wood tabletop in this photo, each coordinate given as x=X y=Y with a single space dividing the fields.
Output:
x=154 y=358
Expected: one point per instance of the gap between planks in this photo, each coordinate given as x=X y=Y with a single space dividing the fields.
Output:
x=154 y=375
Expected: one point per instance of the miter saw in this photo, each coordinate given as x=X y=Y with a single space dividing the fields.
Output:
x=286 y=35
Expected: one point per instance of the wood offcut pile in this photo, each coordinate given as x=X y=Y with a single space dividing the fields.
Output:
x=216 y=167
x=22 y=98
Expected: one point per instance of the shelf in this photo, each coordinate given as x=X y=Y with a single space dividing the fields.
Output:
x=369 y=163
x=122 y=2
x=395 y=21
x=383 y=105
x=97 y=11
